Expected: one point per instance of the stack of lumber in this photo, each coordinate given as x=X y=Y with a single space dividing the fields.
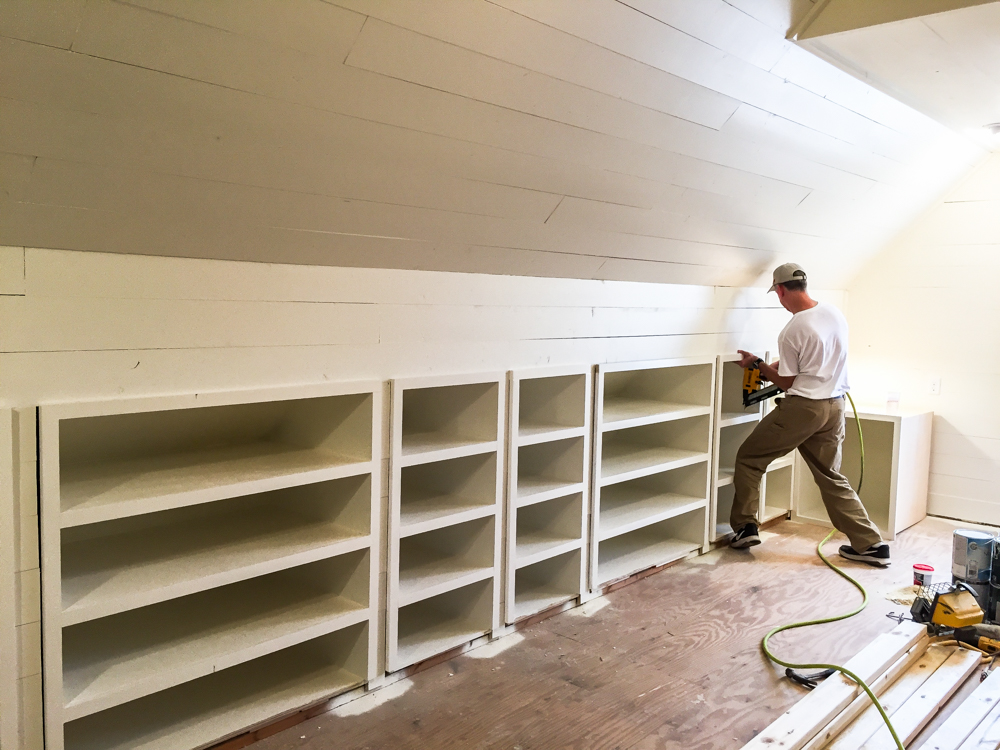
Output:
x=913 y=676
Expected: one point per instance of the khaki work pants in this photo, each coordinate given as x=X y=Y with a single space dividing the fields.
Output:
x=816 y=428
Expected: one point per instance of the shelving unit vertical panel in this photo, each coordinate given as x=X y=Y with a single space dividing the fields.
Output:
x=548 y=406
x=664 y=401
x=139 y=463
x=9 y=675
x=728 y=402
x=442 y=425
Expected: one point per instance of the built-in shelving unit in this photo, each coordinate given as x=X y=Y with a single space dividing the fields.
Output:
x=548 y=489
x=652 y=469
x=210 y=561
x=445 y=519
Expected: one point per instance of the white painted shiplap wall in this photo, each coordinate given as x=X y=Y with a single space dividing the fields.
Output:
x=680 y=141
x=928 y=308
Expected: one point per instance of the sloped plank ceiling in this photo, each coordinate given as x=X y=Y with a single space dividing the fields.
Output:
x=680 y=141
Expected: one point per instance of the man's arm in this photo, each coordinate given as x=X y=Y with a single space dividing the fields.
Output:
x=769 y=372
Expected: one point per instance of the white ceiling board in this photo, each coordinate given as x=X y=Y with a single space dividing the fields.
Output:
x=944 y=65
x=486 y=28
x=679 y=142
x=835 y=16
x=49 y=22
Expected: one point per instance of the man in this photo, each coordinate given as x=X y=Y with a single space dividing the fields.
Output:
x=812 y=371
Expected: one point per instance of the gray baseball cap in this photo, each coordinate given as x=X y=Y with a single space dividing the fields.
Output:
x=787 y=272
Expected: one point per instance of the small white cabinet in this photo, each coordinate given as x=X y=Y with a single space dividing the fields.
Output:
x=897 y=466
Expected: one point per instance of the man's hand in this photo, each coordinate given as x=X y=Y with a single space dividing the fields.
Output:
x=746 y=358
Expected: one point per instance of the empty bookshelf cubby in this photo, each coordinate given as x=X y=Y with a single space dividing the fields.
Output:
x=728 y=444
x=628 y=506
x=547 y=583
x=434 y=625
x=652 y=461
x=547 y=470
x=444 y=559
x=650 y=449
x=655 y=394
x=447 y=492
x=445 y=514
x=210 y=561
x=548 y=489
x=651 y=545
x=223 y=703
x=547 y=529
x=723 y=509
x=448 y=421
x=776 y=490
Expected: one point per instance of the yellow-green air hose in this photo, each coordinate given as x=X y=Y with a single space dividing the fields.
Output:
x=864 y=603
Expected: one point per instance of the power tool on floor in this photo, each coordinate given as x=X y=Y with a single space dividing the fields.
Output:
x=753 y=390
x=948 y=606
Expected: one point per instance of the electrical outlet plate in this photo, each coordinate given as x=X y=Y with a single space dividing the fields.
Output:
x=935 y=386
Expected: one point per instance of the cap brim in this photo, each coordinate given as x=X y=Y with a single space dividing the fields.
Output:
x=773 y=287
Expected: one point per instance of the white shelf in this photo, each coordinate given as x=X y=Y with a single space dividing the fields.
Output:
x=621 y=413
x=116 y=660
x=547 y=470
x=212 y=708
x=551 y=406
x=449 y=421
x=533 y=490
x=435 y=625
x=546 y=583
x=722 y=530
x=430 y=574
x=538 y=546
x=732 y=419
x=726 y=475
x=438 y=511
x=100 y=492
x=438 y=561
x=622 y=462
x=135 y=569
x=117 y=465
x=771 y=513
x=634 y=510
x=429 y=447
x=446 y=493
x=622 y=556
x=538 y=598
x=532 y=434
x=781 y=463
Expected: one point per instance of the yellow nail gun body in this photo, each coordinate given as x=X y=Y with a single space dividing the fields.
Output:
x=753 y=387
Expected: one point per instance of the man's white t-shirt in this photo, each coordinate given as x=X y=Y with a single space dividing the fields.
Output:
x=813 y=348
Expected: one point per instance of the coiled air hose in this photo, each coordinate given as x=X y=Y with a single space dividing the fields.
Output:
x=765 y=645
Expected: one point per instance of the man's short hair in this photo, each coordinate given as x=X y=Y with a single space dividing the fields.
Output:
x=795 y=286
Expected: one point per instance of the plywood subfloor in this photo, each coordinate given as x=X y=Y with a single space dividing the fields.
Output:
x=669 y=662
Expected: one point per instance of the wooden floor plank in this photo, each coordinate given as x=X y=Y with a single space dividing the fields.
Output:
x=672 y=661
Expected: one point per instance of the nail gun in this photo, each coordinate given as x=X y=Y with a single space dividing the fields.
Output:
x=753 y=390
